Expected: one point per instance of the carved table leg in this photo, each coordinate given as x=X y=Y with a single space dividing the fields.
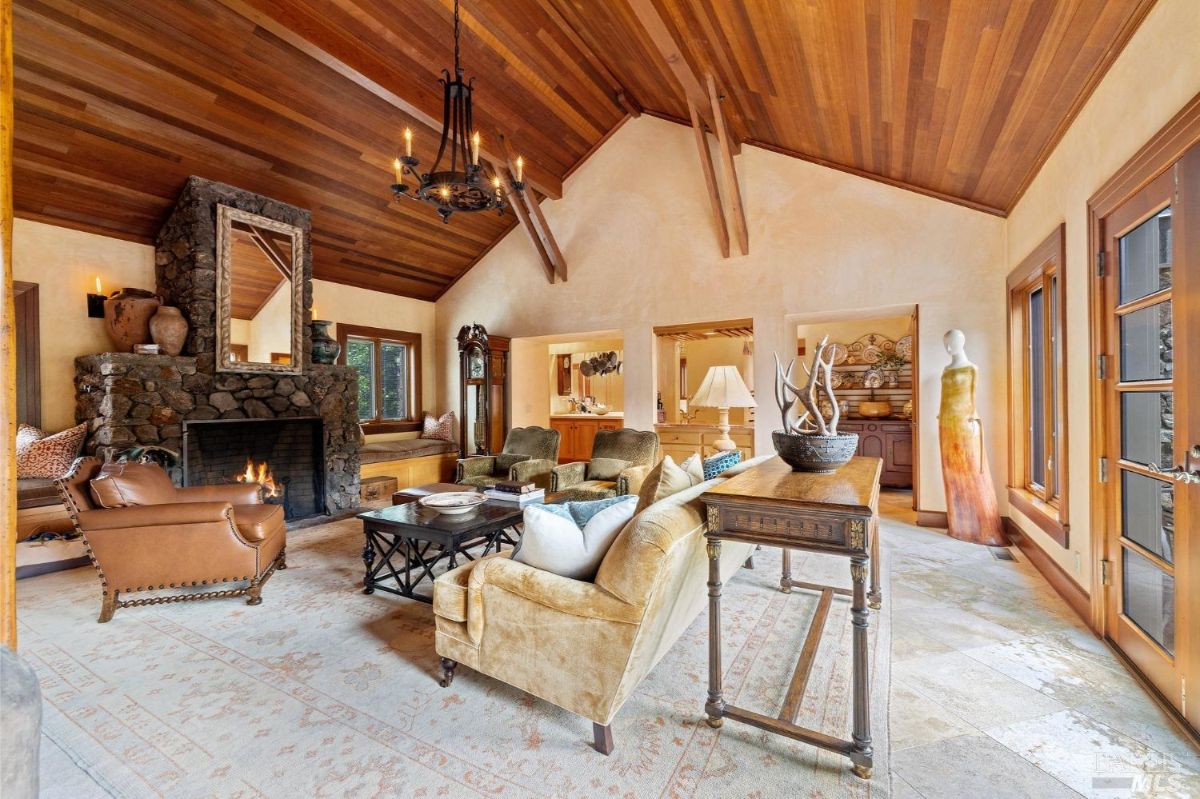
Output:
x=785 y=579
x=875 y=595
x=108 y=607
x=862 y=754
x=448 y=667
x=602 y=740
x=368 y=557
x=715 y=706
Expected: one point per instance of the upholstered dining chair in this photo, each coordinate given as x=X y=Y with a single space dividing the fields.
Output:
x=529 y=455
x=621 y=459
x=144 y=534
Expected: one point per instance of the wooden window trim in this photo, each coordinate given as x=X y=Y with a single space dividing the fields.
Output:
x=380 y=334
x=29 y=368
x=1036 y=270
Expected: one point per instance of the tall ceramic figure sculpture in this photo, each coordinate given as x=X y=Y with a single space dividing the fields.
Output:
x=970 y=497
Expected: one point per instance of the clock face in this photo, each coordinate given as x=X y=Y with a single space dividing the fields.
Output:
x=475 y=364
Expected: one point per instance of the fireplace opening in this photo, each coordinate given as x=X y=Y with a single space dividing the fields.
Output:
x=285 y=456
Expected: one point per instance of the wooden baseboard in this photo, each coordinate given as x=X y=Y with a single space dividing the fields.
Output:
x=1059 y=580
x=933 y=518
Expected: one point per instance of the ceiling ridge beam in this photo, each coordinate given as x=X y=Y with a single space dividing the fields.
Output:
x=539 y=178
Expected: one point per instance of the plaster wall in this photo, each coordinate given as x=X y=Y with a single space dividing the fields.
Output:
x=1154 y=77
x=635 y=226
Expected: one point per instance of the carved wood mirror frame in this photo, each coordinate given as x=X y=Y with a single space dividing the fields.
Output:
x=226 y=216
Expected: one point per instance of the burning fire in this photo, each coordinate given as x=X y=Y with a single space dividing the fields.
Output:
x=261 y=474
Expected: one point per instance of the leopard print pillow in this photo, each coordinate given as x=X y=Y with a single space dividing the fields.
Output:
x=440 y=428
x=47 y=457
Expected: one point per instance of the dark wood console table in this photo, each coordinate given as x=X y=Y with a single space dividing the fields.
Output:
x=833 y=513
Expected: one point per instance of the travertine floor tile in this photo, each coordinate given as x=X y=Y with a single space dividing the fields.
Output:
x=974 y=766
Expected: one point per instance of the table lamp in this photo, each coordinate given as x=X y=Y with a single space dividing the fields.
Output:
x=723 y=388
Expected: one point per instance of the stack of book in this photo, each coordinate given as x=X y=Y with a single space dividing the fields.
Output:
x=515 y=492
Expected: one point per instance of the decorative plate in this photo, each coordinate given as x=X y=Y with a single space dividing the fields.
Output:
x=453 y=503
x=837 y=380
x=871 y=354
x=838 y=353
x=872 y=378
x=904 y=348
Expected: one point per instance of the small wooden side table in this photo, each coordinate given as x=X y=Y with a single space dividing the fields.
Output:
x=833 y=513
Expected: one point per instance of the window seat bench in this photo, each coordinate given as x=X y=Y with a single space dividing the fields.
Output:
x=412 y=461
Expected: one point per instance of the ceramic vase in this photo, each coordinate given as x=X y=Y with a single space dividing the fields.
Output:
x=127 y=317
x=169 y=329
x=325 y=348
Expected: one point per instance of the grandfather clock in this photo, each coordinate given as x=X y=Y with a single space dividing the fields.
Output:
x=484 y=410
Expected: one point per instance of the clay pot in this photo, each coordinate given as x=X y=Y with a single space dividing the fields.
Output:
x=127 y=317
x=169 y=329
x=325 y=348
x=874 y=409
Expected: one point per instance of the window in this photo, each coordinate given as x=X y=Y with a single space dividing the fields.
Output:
x=389 y=376
x=1037 y=373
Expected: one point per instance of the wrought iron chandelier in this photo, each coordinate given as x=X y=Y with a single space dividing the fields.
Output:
x=463 y=185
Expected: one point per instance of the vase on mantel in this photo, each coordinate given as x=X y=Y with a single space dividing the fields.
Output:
x=127 y=317
x=169 y=329
x=325 y=348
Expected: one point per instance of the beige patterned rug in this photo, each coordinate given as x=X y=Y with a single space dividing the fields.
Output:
x=324 y=692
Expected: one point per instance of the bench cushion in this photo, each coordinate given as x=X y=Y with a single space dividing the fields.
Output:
x=35 y=493
x=379 y=451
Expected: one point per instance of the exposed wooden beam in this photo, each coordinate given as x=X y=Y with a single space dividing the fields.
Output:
x=536 y=219
x=732 y=192
x=8 y=346
x=654 y=25
x=710 y=180
x=537 y=176
x=518 y=207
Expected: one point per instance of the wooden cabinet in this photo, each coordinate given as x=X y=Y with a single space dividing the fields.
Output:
x=682 y=441
x=890 y=440
x=576 y=435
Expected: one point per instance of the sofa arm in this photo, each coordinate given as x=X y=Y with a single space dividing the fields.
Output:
x=573 y=597
x=479 y=466
x=630 y=480
x=532 y=471
x=567 y=475
x=233 y=493
x=167 y=515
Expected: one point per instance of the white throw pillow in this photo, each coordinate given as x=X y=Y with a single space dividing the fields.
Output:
x=554 y=542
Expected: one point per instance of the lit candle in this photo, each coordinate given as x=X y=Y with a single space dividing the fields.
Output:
x=475 y=148
x=520 y=168
x=496 y=183
x=98 y=289
x=445 y=192
x=398 y=170
x=408 y=142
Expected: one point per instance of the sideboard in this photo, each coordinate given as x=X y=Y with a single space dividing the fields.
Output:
x=888 y=439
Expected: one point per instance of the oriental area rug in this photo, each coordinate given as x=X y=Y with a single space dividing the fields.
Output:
x=323 y=691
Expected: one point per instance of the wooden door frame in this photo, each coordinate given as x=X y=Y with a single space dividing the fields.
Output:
x=1158 y=155
x=30 y=367
x=8 y=346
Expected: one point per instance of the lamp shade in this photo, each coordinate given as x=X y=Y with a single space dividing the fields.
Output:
x=723 y=387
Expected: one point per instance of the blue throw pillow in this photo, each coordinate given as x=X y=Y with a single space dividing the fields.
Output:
x=581 y=512
x=715 y=464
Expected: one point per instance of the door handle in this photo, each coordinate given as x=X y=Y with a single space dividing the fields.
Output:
x=1185 y=472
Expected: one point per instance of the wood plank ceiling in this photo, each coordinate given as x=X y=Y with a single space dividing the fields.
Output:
x=118 y=101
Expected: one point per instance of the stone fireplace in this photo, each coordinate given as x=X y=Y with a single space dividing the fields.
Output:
x=130 y=400
x=284 y=455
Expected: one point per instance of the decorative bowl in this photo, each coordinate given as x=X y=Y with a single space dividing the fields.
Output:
x=453 y=503
x=873 y=409
x=820 y=454
x=600 y=410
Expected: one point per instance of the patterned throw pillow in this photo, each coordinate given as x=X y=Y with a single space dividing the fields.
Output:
x=715 y=464
x=47 y=457
x=440 y=428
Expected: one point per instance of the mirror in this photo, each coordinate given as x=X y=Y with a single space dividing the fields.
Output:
x=260 y=311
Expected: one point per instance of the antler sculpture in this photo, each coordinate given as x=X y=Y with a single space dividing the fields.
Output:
x=812 y=421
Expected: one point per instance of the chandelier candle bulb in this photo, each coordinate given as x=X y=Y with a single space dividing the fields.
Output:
x=398 y=170
x=407 y=147
x=520 y=169
x=475 y=149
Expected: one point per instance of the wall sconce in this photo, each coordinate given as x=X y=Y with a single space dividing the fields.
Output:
x=95 y=303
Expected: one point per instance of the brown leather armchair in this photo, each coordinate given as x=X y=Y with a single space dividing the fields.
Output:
x=143 y=533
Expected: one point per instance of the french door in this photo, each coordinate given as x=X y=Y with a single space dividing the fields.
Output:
x=1150 y=294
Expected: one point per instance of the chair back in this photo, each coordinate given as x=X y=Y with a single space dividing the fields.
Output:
x=536 y=442
x=638 y=447
x=74 y=486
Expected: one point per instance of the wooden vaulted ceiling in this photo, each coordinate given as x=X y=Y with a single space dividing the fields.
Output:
x=118 y=101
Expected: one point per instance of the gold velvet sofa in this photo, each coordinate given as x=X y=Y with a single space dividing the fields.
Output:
x=584 y=646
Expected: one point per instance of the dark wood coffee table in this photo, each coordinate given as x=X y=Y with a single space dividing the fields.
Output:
x=419 y=539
